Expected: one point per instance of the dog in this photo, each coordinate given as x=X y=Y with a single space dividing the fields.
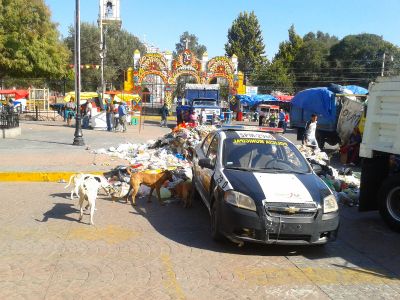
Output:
x=154 y=181
x=87 y=191
x=183 y=191
x=79 y=178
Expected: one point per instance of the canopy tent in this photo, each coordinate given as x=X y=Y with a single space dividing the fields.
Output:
x=129 y=97
x=285 y=98
x=18 y=94
x=357 y=90
x=84 y=96
x=254 y=100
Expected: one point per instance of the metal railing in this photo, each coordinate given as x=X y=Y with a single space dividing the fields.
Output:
x=8 y=118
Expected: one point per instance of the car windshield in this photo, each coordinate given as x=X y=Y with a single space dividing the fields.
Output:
x=263 y=155
x=204 y=103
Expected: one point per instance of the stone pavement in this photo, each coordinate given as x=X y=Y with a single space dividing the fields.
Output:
x=165 y=252
x=47 y=146
x=162 y=252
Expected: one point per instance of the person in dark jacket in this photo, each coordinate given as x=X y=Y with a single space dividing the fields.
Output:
x=164 y=114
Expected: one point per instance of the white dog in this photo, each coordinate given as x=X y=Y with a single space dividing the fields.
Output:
x=87 y=191
x=79 y=178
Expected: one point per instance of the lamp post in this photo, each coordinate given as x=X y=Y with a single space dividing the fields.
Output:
x=78 y=140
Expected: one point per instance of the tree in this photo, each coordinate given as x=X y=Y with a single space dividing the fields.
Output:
x=29 y=41
x=289 y=49
x=273 y=77
x=193 y=45
x=120 y=46
x=245 y=40
x=311 y=62
x=357 y=59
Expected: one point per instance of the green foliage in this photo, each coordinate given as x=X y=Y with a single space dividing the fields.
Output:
x=311 y=65
x=193 y=45
x=120 y=46
x=357 y=59
x=29 y=41
x=289 y=49
x=245 y=40
x=273 y=76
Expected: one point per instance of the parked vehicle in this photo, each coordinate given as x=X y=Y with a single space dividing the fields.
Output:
x=327 y=104
x=202 y=96
x=259 y=188
x=380 y=147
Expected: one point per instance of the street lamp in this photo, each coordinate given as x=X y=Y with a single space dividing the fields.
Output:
x=78 y=140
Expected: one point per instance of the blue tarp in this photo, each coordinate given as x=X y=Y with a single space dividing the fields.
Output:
x=254 y=100
x=358 y=90
x=320 y=101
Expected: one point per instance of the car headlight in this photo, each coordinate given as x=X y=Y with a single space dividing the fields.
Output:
x=239 y=200
x=330 y=204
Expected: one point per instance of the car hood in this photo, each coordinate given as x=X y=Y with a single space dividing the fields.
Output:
x=277 y=187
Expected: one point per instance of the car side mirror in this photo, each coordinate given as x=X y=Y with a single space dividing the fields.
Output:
x=205 y=163
x=317 y=169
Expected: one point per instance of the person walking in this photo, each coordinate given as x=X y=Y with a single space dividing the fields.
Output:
x=109 y=113
x=285 y=124
x=122 y=112
x=281 y=119
x=272 y=120
x=203 y=117
x=309 y=135
x=261 y=116
x=164 y=114
x=70 y=111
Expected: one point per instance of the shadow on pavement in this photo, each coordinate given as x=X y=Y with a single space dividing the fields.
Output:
x=62 y=195
x=191 y=227
x=41 y=141
x=60 y=211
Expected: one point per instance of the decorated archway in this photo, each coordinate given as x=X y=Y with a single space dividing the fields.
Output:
x=185 y=64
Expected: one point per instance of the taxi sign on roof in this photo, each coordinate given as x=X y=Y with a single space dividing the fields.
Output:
x=252 y=128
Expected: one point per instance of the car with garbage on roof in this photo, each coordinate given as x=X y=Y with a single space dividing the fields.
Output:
x=258 y=187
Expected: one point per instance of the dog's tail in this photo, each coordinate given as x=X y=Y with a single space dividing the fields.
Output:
x=69 y=183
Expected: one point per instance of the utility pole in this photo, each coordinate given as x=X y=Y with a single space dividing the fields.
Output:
x=383 y=64
x=102 y=56
x=78 y=140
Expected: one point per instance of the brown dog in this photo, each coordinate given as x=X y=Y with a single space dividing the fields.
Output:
x=154 y=181
x=183 y=191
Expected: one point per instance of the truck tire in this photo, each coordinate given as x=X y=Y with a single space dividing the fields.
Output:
x=389 y=201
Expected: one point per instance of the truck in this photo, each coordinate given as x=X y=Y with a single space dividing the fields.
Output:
x=202 y=96
x=339 y=110
x=380 y=150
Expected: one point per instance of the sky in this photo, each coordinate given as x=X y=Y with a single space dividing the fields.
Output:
x=161 y=22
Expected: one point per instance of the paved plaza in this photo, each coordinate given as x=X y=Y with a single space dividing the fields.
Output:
x=164 y=252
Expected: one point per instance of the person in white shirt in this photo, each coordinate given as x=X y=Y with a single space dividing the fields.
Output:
x=309 y=135
x=203 y=117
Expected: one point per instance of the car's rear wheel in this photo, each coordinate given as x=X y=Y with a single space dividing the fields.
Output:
x=215 y=223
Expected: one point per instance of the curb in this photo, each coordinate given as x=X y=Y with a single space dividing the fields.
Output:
x=40 y=176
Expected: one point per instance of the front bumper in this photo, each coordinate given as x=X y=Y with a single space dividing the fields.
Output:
x=259 y=227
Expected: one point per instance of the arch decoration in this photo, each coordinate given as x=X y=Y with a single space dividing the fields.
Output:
x=185 y=64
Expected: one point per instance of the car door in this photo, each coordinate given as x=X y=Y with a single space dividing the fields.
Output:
x=207 y=174
x=201 y=152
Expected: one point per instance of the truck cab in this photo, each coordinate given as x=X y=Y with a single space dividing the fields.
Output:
x=203 y=96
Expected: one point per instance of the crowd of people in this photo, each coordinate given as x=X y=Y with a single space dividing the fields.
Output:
x=191 y=117
x=273 y=119
x=116 y=114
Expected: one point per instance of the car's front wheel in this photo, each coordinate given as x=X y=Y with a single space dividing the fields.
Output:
x=215 y=223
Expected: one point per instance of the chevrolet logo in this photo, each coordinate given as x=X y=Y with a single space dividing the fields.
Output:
x=292 y=210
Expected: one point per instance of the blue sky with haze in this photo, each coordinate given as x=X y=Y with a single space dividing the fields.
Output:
x=162 y=22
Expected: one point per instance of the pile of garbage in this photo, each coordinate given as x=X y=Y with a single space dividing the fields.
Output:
x=344 y=182
x=169 y=152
